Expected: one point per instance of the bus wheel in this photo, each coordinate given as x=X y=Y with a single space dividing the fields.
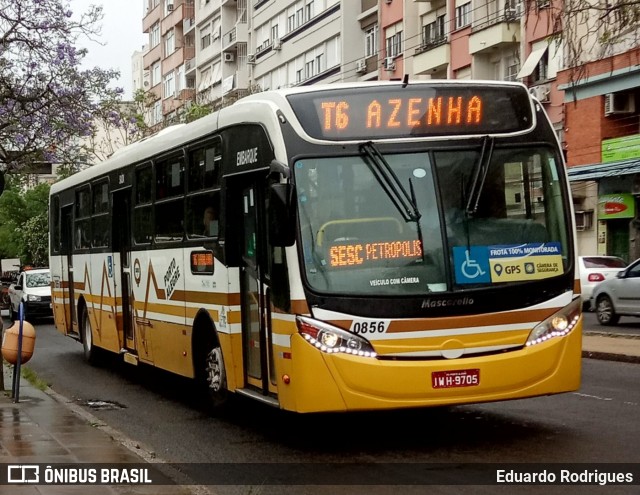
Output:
x=216 y=377
x=90 y=351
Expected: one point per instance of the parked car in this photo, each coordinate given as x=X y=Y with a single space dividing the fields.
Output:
x=33 y=289
x=619 y=296
x=596 y=269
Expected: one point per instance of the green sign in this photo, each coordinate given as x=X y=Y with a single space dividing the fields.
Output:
x=623 y=148
x=611 y=206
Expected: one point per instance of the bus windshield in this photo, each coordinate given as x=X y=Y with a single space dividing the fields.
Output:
x=481 y=219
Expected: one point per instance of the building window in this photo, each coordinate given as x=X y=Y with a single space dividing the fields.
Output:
x=155 y=74
x=511 y=71
x=205 y=37
x=169 y=85
x=299 y=75
x=433 y=33
x=154 y=35
x=394 y=45
x=291 y=23
x=541 y=72
x=308 y=10
x=169 y=43
x=371 y=41
x=308 y=69
x=463 y=15
x=274 y=32
x=157 y=112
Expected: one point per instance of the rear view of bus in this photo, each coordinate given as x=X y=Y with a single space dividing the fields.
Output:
x=435 y=249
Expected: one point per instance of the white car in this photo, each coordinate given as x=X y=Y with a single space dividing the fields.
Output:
x=596 y=269
x=33 y=289
x=619 y=296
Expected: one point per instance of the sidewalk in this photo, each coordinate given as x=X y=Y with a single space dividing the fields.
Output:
x=45 y=427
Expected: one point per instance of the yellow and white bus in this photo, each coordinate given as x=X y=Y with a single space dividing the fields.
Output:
x=333 y=248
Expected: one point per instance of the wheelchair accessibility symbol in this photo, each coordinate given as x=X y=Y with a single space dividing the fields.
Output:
x=471 y=265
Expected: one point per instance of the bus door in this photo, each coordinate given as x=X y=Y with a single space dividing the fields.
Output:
x=66 y=248
x=121 y=226
x=254 y=291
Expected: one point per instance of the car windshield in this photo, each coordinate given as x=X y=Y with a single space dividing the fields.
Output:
x=357 y=239
x=600 y=262
x=38 y=279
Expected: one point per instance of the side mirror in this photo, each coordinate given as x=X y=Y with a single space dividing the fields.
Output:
x=621 y=274
x=17 y=287
x=281 y=215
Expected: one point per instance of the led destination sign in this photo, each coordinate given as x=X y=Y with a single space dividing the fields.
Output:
x=367 y=254
x=414 y=111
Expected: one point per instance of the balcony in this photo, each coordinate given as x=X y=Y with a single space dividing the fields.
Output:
x=172 y=20
x=235 y=84
x=432 y=57
x=177 y=58
x=239 y=34
x=152 y=56
x=153 y=16
x=190 y=67
x=188 y=25
x=496 y=32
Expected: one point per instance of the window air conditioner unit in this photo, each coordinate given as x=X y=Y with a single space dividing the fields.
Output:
x=541 y=93
x=389 y=63
x=361 y=66
x=619 y=103
x=229 y=57
x=584 y=220
x=277 y=44
x=169 y=7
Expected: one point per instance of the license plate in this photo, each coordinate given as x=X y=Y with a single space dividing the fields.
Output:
x=458 y=378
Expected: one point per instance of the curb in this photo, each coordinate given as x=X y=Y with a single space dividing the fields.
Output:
x=609 y=356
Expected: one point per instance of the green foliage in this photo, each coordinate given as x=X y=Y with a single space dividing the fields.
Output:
x=196 y=111
x=24 y=225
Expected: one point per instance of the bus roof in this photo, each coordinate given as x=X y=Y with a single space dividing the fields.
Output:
x=241 y=111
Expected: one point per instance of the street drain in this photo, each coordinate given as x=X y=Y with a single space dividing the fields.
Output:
x=104 y=405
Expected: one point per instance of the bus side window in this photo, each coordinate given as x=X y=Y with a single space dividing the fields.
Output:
x=142 y=213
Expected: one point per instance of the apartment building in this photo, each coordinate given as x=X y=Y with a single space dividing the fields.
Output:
x=303 y=42
x=164 y=63
x=221 y=67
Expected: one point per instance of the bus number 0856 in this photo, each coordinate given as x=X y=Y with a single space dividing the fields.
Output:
x=368 y=327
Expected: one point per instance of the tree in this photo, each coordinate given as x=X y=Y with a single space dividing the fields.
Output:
x=47 y=101
x=24 y=226
x=590 y=30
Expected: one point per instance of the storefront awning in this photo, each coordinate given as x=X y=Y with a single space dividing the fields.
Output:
x=531 y=62
x=600 y=170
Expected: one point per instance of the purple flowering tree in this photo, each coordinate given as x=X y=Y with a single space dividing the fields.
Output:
x=48 y=103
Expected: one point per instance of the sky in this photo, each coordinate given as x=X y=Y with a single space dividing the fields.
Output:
x=121 y=36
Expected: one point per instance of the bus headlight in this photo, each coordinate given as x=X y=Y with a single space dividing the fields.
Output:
x=331 y=339
x=557 y=325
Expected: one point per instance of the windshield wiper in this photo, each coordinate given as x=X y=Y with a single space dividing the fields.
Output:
x=480 y=175
x=390 y=183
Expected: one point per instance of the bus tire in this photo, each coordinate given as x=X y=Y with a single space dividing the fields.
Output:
x=215 y=378
x=91 y=353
